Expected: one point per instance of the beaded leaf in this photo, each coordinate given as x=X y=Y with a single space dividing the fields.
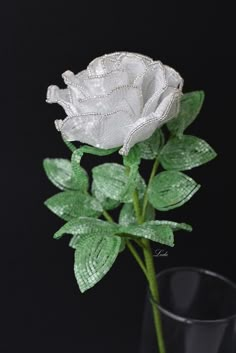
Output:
x=86 y=225
x=174 y=225
x=78 y=154
x=171 y=189
x=106 y=202
x=59 y=172
x=127 y=214
x=186 y=153
x=133 y=158
x=94 y=256
x=114 y=182
x=162 y=233
x=190 y=106
x=150 y=148
x=71 y=204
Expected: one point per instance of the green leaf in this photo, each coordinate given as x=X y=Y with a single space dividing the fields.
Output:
x=94 y=256
x=171 y=189
x=162 y=233
x=86 y=225
x=78 y=154
x=115 y=183
x=133 y=158
x=106 y=202
x=173 y=225
x=190 y=107
x=96 y=151
x=71 y=204
x=150 y=213
x=122 y=244
x=185 y=153
x=150 y=148
x=127 y=214
x=59 y=172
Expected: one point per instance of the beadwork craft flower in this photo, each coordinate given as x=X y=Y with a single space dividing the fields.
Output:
x=120 y=100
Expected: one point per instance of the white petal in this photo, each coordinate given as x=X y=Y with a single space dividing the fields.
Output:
x=153 y=85
x=85 y=129
x=62 y=97
x=126 y=97
x=134 y=64
x=58 y=124
x=75 y=83
x=103 y=64
x=173 y=78
x=175 y=106
x=114 y=129
x=86 y=86
x=104 y=84
x=154 y=80
x=145 y=126
x=96 y=67
x=99 y=130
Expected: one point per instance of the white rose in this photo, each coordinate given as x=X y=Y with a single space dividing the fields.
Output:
x=120 y=100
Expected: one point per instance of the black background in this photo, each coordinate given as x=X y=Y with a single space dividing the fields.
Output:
x=42 y=308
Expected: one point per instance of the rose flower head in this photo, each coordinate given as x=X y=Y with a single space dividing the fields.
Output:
x=118 y=101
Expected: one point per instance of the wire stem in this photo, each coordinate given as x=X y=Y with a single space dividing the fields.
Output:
x=137 y=208
x=153 y=286
x=108 y=217
x=70 y=145
x=145 y=199
x=136 y=256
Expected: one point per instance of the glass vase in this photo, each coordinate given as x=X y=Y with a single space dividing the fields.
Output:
x=198 y=311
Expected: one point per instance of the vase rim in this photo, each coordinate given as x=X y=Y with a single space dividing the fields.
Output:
x=190 y=320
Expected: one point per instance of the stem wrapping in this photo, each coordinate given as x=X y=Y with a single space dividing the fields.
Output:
x=107 y=216
x=153 y=286
x=149 y=263
x=137 y=257
x=148 y=267
x=70 y=145
x=145 y=199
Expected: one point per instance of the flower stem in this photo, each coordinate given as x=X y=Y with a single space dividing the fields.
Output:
x=70 y=145
x=107 y=216
x=137 y=208
x=153 y=286
x=136 y=256
x=145 y=199
x=149 y=262
x=148 y=268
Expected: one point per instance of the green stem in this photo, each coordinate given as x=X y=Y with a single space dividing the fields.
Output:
x=148 y=268
x=139 y=242
x=70 y=145
x=145 y=199
x=137 y=208
x=136 y=256
x=153 y=286
x=108 y=217
x=149 y=262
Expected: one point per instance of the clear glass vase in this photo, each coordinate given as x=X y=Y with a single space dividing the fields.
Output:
x=198 y=310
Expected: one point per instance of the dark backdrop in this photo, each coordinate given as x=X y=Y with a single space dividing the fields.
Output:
x=42 y=308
